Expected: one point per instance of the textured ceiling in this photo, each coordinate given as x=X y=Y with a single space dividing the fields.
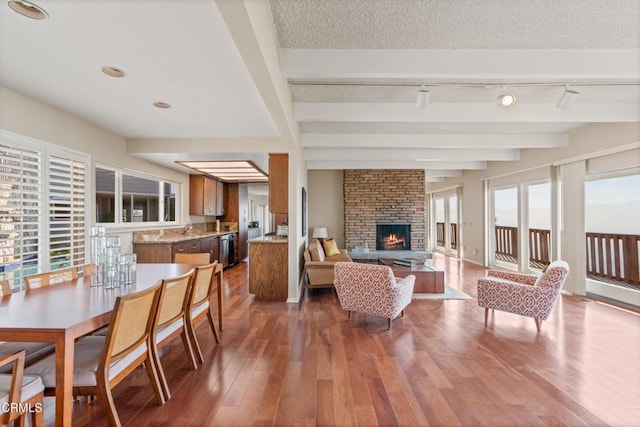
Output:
x=354 y=69
x=212 y=61
x=460 y=24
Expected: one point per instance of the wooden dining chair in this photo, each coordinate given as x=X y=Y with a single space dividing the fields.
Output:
x=20 y=393
x=34 y=350
x=51 y=277
x=100 y=363
x=199 y=305
x=5 y=289
x=194 y=258
x=170 y=322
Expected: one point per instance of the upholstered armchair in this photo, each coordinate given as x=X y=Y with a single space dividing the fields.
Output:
x=524 y=294
x=372 y=289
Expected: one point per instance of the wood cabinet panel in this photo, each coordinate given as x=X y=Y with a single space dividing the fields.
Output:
x=211 y=245
x=268 y=270
x=153 y=253
x=206 y=196
x=279 y=183
x=187 y=247
x=201 y=195
x=220 y=208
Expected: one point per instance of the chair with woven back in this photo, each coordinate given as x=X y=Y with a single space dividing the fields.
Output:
x=5 y=289
x=170 y=322
x=201 y=258
x=199 y=305
x=20 y=393
x=33 y=350
x=100 y=363
x=50 y=277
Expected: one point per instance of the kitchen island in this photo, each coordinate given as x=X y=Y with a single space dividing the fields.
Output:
x=268 y=267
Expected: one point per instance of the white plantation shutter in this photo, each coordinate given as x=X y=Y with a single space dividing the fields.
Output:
x=42 y=207
x=21 y=209
x=66 y=185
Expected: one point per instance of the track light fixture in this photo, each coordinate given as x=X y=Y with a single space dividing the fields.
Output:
x=507 y=100
x=567 y=99
x=423 y=98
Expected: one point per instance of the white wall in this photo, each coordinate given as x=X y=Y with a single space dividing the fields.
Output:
x=587 y=141
x=326 y=203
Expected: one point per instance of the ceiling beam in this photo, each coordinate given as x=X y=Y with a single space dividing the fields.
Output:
x=250 y=24
x=444 y=173
x=394 y=164
x=471 y=113
x=416 y=154
x=348 y=140
x=504 y=65
x=204 y=145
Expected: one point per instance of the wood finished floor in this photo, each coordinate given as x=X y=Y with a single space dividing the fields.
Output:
x=307 y=364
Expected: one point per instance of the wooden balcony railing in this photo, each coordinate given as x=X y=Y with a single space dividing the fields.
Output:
x=613 y=257
x=610 y=257
x=539 y=243
x=507 y=243
x=440 y=233
x=453 y=236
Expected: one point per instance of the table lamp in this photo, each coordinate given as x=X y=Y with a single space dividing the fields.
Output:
x=320 y=233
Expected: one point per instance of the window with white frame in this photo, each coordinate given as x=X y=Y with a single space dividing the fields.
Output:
x=124 y=197
x=42 y=207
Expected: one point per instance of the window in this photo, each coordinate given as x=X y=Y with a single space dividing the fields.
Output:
x=42 y=208
x=122 y=197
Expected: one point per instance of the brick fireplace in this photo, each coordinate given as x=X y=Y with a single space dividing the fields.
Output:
x=384 y=196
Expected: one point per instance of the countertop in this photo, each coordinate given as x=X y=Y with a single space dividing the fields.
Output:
x=270 y=239
x=175 y=238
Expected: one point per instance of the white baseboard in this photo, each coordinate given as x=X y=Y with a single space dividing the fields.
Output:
x=617 y=293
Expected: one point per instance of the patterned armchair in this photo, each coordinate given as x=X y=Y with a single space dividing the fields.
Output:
x=524 y=294
x=372 y=289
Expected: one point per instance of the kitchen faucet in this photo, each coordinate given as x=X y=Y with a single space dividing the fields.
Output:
x=187 y=228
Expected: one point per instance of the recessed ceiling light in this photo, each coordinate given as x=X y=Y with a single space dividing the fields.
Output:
x=28 y=9
x=507 y=100
x=161 y=104
x=113 y=71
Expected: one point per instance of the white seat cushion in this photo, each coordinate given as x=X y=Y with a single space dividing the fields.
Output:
x=85 y=364
x=30 y=387
x=199 y=309
x=165 y=332
x=34 y=350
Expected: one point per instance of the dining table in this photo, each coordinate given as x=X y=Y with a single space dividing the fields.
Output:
x=65 y=311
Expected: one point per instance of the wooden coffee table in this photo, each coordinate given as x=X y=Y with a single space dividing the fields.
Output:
x=429 y=280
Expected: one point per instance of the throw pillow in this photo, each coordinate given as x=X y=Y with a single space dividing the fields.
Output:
x=313 y=252
x=330 y=247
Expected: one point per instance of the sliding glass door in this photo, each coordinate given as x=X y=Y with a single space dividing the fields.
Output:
x=520 y=231
x=446 y=214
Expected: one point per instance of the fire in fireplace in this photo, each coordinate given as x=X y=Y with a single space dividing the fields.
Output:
x=393 y=237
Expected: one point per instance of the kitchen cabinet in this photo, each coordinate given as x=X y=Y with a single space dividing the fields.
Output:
x=268 y=267
x=220 y=198
x=279 y=183
x=206 y=196
x=164 y=252
x=211 y=245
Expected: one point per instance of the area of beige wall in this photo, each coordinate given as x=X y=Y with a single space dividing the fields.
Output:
x=326 y=202
x=588 y=141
